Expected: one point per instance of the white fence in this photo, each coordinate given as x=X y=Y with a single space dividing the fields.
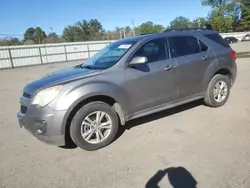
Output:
x=18 y=56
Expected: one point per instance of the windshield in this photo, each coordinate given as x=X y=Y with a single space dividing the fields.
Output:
x=108 y=56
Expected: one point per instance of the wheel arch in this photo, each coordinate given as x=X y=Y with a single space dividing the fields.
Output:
x=225 y=72
x=81 y=102
x=213 y=70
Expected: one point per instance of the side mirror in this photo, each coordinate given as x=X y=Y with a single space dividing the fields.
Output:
x=138 y=61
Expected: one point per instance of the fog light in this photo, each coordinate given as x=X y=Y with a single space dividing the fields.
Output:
x=39 y=131
x=41 y=127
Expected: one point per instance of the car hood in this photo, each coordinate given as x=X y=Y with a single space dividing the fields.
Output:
x=60 y=77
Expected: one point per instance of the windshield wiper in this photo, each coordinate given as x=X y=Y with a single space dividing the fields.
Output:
x=89 y=67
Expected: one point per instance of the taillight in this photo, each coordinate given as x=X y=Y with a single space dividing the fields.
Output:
x=233 y=54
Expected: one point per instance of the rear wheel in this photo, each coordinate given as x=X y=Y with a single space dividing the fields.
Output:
x=94 y=126
x=218 y=91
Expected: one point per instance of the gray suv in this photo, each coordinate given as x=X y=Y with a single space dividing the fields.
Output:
x=128 y=79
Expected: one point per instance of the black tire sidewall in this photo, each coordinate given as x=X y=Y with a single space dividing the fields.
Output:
x=75 y=128
x=216 y=79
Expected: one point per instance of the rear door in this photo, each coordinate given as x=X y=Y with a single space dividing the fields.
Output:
x=193 y=57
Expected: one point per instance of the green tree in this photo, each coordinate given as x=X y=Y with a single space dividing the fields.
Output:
x=83 y=30
x=220 y=23
x=180 y=22
x=70 y=34
x=224 y=14
x=215 y=3
x=95 y=30
x=15 y=41
x=89 y=30
x=29 y=34
x=52 y=38
x=150 y=27
x=39 y=35
x=128 y=31
x=34 y=34
x=199 y=22
x=245 y=15
x=95 y=26
x=223 y=7
x=10 y=42
x=52 y=35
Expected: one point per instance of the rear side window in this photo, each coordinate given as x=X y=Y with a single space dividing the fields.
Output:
x=183 y=45
x=218 y=39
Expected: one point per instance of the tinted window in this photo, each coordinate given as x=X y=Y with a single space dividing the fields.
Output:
x=217 y=38
x=155 y=50
x=183 y=45
x=203 y=46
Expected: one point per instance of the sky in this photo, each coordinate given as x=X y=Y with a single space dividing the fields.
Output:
x=18 y=15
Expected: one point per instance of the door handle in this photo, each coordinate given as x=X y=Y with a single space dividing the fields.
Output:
x=169 y=68
x=205 y=57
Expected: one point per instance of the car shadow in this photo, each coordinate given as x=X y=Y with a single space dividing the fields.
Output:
x=163 y=114
x=178 y=177
x=159 y=115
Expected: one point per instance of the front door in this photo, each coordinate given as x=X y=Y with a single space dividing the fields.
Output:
x=154 y=83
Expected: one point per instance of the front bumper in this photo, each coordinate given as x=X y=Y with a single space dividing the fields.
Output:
x=44 y=123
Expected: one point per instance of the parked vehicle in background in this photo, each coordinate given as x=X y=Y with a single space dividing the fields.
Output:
x=246 y=37
x=231 y=40
x=128 y=79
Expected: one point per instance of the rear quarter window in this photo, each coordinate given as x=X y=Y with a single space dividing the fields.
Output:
x=218 y=39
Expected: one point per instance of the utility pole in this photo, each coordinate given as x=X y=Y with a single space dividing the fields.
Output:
x=124 y=32
x=120 y=33
x=51 y=29
x=199 y=23
x=133 y=27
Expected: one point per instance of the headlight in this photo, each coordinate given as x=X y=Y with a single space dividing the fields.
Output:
x=46 y=96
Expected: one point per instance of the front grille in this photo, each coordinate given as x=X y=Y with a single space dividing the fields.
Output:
x=23 y=109
x=26 y=95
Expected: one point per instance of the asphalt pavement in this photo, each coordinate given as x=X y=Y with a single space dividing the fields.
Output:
x=184 y=147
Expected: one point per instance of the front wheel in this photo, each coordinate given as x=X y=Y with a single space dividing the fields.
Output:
x=94 y=126
x=218 y=91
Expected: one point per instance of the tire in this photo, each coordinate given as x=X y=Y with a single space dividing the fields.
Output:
x=76 y=128
x=210 y=99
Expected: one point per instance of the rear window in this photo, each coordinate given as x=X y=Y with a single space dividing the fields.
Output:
x=218 y=39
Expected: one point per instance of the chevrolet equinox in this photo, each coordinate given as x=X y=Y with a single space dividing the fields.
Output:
x=128 y=79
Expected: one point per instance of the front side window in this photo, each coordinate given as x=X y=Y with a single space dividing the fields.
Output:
x=108 y=56
x=183 y=45
x=154 y=50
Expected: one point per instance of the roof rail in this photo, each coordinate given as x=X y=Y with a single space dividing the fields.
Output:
x=187 y=29
x=146 y=33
